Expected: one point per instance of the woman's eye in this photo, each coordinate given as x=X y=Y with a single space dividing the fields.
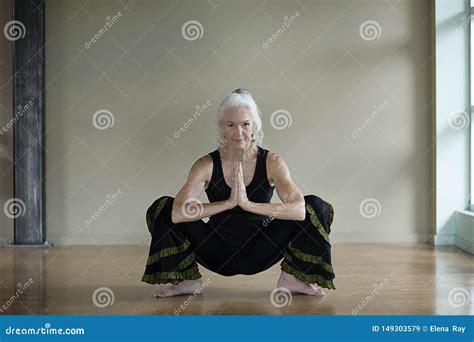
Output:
x=248 y=124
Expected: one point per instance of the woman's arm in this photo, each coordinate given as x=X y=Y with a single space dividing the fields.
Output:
x=186 y=206
x=293 y=206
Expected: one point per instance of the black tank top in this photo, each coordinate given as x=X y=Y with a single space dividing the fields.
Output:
x=259 y=191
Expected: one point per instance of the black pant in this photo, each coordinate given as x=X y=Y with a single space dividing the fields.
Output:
x=245 y=249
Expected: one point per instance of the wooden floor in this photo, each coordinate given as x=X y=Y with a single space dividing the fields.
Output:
x=385 y=279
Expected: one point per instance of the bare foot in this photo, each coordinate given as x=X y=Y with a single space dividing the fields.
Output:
x=183 y=287
x=294 y=285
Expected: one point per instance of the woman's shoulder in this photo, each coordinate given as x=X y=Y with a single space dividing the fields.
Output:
x=275 y=163
x=267 y=151
x=204 y=162
x=273 y=157
x=203 y=166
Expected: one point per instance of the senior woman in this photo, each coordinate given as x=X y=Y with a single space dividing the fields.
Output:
x=245 y=234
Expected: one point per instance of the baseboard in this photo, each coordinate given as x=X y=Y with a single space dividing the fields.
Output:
x=94 y=239
x=145 y=238
x=381 y=237
x=444 y=239
x=464 y=237
x=5 y=239
x=467 y=245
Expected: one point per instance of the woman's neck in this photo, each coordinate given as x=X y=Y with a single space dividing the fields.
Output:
x=235 y=155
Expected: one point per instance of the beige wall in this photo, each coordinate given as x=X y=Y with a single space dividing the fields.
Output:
x=319 y=69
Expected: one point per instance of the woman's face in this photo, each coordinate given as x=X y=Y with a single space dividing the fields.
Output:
x=237 y=127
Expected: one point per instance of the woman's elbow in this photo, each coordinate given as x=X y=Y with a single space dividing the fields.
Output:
x=176 y=216
x=174 y=219
x=301 y=211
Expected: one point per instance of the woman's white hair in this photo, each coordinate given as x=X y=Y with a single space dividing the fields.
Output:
x=241 y=98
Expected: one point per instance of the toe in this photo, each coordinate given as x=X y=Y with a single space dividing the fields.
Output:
x=161 y=294
x=283 y=289
x=317 y=291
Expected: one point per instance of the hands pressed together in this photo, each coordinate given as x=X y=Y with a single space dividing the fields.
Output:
x=238 y=195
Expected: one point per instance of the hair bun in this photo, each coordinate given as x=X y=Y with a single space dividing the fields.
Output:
x=241 y=91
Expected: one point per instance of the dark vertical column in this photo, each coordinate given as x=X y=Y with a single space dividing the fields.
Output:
x=27 y=34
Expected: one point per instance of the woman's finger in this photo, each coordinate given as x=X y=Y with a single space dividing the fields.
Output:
x=237 y=182
x=241 y=179
x=239 y=167
x=236 y=175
